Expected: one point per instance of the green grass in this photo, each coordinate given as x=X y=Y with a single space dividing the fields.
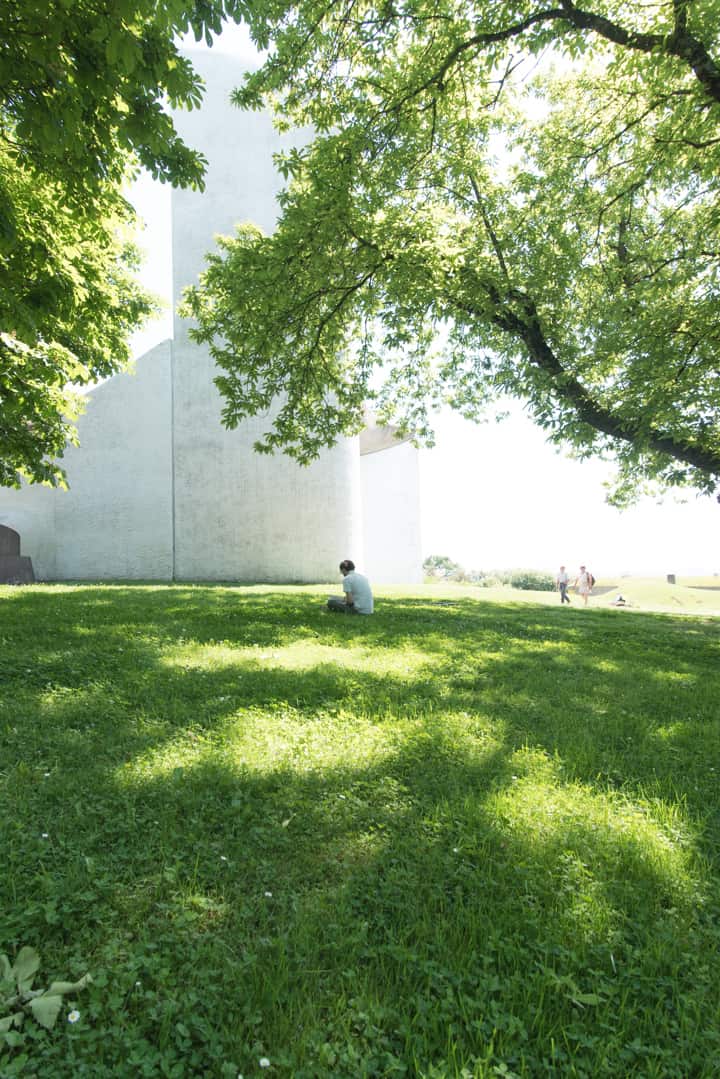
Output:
x=691 y=595
x=461 y=838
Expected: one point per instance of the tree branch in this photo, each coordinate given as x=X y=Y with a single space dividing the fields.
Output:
x=681 y=44
x=525 y=327
x=489 y=229
x=477 y=40
x=529 y=330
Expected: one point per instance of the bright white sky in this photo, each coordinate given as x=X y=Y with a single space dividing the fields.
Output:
x=497 y=496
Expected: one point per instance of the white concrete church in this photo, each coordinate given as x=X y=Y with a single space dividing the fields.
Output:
x=159 y=490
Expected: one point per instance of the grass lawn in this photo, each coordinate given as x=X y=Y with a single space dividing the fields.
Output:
x=465 y=837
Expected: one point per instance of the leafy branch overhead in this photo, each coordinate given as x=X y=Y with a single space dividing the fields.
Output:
x=500 y=198
x=83 y=90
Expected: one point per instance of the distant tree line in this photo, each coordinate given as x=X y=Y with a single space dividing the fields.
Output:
x=442 y=568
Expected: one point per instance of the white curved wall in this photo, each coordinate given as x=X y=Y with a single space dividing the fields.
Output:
x=31 y=513
x=391 y=515
x=158 y=488
x=239 y=514
x=115 y=519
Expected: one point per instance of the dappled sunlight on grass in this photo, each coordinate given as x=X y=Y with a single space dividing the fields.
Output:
x=300 y=655
x=256 y=741
x=625 y=846
x=606 y=666
x=667 y=732
x=463 y=835
x=682 y=677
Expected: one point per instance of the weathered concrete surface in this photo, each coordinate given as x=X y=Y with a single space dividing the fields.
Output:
x=9 y=542
x=115 y=521
x=159 y=489
x=391 y=514
x=240 y=515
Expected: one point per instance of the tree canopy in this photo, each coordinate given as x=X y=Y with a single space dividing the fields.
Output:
x=83 y=94
x=500 y=197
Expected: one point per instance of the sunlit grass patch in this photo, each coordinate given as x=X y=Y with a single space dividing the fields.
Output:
x=466 y=839
x=301 y=655
x=255 y=741
x=621 y=842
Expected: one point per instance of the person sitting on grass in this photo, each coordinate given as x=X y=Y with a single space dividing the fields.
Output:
x=358 y=597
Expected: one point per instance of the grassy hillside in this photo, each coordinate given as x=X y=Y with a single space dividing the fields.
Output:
x=691 y=595
x=460 y=838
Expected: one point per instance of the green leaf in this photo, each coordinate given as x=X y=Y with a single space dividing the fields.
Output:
x=9 y=1021
x=586 y=998
x=25 y=967
x=61 y=988
x=14 y=1038
x=46 y=1010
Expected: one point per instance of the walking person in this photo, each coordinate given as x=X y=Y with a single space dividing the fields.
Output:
x=561 y=583
x=584 y=582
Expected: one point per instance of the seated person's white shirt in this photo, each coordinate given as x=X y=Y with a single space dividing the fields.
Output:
x=361 y=592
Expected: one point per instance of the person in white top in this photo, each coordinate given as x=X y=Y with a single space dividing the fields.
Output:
x=584 y=583
x=357 y=597
x=561 y=581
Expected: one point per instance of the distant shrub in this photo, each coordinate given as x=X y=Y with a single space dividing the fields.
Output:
x=531 y=580
x=441 y=568
x=489 y=580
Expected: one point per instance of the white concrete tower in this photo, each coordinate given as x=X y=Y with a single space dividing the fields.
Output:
x=239 y=514
x=159 y=489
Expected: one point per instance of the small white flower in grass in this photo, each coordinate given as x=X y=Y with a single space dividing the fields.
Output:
x=223 y=858
x=268 y=895
x=264 y=1062
x=73 y=1016
x=45 y=836
x=456 y=850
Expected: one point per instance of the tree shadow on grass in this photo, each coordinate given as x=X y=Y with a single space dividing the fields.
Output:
x=481 y=888
x=448 y=904
x=624 y=703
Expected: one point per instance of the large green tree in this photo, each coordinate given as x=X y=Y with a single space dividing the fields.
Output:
x=500 y=198
x=84 y=86
x=68 y=301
